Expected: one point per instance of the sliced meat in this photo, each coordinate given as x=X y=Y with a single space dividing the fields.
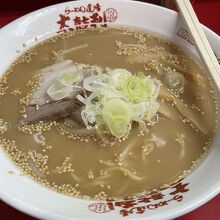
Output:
x=51 y=111
x=42 y=107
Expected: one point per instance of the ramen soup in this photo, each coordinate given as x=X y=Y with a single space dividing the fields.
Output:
x=106 y=113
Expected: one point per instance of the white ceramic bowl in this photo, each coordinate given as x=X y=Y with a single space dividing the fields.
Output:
x=30 y=197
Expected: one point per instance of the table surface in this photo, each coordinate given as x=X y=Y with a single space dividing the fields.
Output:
x=209 y=14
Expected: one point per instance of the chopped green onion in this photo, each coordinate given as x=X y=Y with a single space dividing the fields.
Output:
x=69 y=78
x=117 y=116
x=117 y=98
x=63 y=85
x=58 y=91
x=117 y=77
x=139 y=89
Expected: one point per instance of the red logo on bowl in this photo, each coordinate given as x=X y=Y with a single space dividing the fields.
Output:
x=152 y=201
x=86 y=16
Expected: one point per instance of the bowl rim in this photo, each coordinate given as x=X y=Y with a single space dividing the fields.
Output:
x=42 y=213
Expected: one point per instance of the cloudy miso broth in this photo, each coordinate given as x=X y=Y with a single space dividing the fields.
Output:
x=48 y=139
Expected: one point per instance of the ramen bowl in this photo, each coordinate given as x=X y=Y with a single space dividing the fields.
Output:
x=28 y=196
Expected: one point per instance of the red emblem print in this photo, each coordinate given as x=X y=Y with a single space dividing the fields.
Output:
x=100 y=207
x=110 y=14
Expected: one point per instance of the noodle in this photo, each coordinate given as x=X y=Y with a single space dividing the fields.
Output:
x=127 y=172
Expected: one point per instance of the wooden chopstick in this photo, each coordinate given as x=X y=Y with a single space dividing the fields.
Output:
x=200 y=40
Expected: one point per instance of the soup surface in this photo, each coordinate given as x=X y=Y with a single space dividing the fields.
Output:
x=80 y=164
